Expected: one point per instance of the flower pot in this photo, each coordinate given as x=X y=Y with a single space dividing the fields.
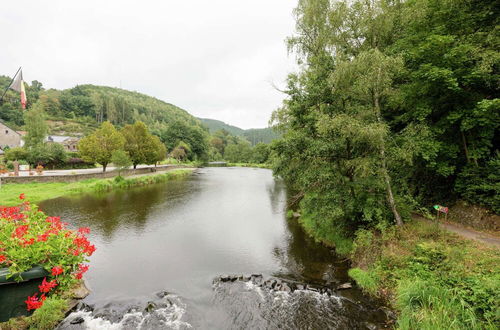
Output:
x=13 y=293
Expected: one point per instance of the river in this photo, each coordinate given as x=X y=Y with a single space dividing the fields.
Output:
x=162 y=249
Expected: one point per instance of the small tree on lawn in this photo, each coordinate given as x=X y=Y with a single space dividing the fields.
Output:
x=138 y=143
x=121 y=160
x=100 y=145
x=158 y=153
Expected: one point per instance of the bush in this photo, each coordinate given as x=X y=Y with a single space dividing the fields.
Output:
x=28 y=237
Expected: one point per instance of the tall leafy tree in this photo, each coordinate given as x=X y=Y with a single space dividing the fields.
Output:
x=99 y=146
x=139 y=143
x=35 y=125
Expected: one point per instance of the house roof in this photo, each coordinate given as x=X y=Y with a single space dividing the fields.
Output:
x=57 y=138
x=4 y=124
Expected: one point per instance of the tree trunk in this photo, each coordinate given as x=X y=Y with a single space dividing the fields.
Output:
x=385 y=172
x=135 y=166
x=104 y=167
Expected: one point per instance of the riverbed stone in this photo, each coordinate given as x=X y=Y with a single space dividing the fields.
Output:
x=77 y=320
x=151 y=306
x=162 y=294
x=344 y=286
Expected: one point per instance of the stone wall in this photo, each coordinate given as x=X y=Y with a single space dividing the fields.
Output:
x=86 y=176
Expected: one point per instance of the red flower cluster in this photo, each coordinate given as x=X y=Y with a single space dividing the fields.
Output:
x=45 y=287
x=83 y=245
x=28 y=237
x=33 y=302
x=20 y=231
x=82 y=269
x=57 y=270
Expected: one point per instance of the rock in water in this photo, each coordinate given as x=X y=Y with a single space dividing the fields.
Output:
x=150 y=307
x=344 y=286
x=77 y=320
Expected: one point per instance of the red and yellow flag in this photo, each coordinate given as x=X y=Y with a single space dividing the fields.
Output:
x=18 y=86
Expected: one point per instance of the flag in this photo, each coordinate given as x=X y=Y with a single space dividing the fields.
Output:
x=18 y=86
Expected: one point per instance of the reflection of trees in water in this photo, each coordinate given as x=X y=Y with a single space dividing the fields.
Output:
x=304 y=259
x=277 y=194
x=109 y=212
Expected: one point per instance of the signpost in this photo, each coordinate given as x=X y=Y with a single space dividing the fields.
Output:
x=442 y=209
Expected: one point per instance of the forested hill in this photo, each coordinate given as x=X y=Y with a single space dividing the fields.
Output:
x=254 y=135
x=81 y=108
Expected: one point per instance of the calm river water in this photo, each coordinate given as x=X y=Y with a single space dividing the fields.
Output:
x=161 y=250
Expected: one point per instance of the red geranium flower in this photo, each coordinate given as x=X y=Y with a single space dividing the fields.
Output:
x=22 y=196
x=47 y=286
x=2 y=258
x=57 y=270
x=33 y=302
x=20 y=231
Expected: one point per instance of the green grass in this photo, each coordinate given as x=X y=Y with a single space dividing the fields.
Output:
x=36 y=192
x=433 y=278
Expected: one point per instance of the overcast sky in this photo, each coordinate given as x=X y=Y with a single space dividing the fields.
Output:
x=215 y=58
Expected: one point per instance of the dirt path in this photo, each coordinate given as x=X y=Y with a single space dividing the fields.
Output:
x=468 y=233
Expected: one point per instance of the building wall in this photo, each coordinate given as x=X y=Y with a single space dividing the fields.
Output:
x=9 y=137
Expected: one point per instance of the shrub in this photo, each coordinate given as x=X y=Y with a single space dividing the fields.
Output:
x=28 y=237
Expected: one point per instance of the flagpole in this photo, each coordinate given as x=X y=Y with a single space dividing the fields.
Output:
x=1 y=98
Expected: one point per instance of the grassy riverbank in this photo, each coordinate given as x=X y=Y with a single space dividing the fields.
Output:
x=249 y=165
x=433 y=279
x=36 y=192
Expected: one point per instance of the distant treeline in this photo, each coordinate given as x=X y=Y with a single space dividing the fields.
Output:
x=253 y=135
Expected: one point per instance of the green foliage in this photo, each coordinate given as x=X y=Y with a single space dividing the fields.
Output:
x=100 y=145
x=121 y=160
x=139 y=144
x=438 y=280
x=17 y=153
x=367 y=280
x=36 y=128
x=193 y=136
x=481 y=184
x=238 y=152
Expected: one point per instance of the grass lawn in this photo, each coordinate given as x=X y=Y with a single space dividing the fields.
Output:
x=36 y=192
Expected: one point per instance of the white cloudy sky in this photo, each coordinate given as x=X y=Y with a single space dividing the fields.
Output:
x=215 y=58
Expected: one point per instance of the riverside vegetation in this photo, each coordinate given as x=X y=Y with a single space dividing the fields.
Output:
x=41 y=191
x=27 y=238
x=395 y=108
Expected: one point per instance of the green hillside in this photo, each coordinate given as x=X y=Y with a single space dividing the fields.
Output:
x=254 y=135
x=82 y=108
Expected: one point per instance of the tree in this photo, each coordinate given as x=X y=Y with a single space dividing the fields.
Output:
x=139 y=143
x=17 y=153
x=159 y=151
x=36 y=128
x=240 y=152
x=121 y=160
x=100 y=145
x=195 y=137
x=260 y=153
